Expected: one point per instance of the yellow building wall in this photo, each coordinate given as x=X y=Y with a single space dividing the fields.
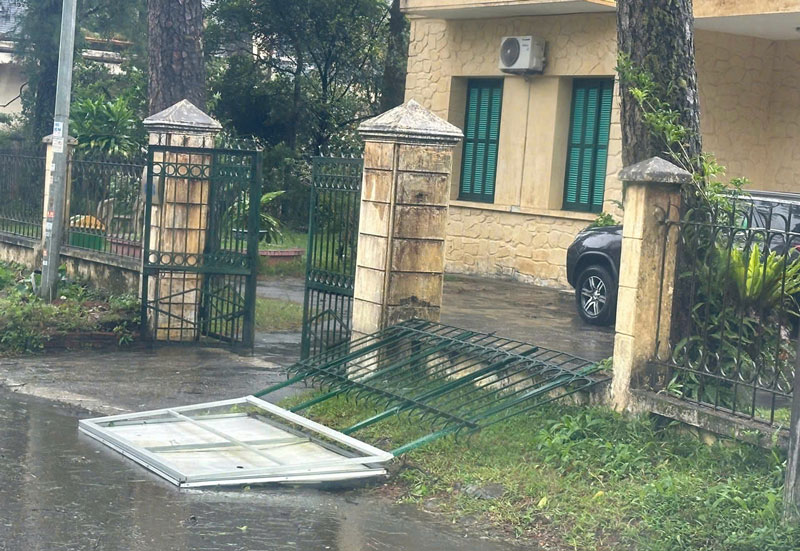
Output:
x=783 y=167
x=734 y=75
x=749 y=120
x=716 y=8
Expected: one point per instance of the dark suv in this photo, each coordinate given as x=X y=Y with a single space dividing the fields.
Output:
x=593 y=258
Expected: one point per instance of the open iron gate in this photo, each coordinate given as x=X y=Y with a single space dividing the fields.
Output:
x=200 y=256
x=331 y=254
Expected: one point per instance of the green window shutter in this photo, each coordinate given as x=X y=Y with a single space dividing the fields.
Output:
x=587 y=153
x=481 y=140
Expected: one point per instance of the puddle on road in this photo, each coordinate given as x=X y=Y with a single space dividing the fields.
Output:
x=63 y=491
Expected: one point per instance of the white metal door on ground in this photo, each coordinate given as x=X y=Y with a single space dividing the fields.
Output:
x=232 y=442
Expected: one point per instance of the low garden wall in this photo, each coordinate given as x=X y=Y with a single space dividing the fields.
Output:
x=116 y=274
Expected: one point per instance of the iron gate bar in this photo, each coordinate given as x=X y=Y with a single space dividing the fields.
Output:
x=451 y=379
x=330 y=254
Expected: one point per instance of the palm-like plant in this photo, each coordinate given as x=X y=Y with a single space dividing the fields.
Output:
x=268 y=225
x=106 y=128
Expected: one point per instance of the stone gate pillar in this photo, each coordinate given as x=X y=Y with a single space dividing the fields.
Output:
x=408 y=158
x=179 y=216
x=649 y=249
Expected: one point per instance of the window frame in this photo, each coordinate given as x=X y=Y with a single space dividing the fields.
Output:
x=603 y=85
x=483 y=196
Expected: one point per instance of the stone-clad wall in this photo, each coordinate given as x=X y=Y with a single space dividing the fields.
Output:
x=783 y=168
x=530 y=242
x=734 y=75
x=530 y=248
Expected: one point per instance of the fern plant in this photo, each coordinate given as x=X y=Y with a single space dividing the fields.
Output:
x=763 y=282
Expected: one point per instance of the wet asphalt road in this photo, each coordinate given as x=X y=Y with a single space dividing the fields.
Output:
x=60 y=490
x=537 y=315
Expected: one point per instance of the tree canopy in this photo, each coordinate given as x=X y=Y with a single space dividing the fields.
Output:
x=320 y=63
x=37 y=37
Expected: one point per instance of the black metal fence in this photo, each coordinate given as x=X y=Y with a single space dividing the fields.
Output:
x=106 y=206
x=21 y=192
x=735 y=313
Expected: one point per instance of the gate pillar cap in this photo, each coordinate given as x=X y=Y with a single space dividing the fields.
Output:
x=410 y=123
x=655 y=170
x=183 y=116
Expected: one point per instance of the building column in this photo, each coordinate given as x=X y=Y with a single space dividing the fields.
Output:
x=652 y=192
x=408 y=158
x=179 y=216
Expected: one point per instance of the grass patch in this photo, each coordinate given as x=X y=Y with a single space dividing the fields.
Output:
x=291 y=268
x=588 y=478
x=278 y=315
x=290 y=239
x=28 y=322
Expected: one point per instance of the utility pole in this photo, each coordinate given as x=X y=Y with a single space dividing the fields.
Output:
x=54 y=226
x=791 y=491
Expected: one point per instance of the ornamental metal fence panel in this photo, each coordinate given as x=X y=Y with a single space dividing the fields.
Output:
x=736 y=309
x=331 y=253
x=200 y=257
x=106 y=206
x=21 y=192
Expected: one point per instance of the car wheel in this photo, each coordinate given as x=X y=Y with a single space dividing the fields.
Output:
x=596 y=296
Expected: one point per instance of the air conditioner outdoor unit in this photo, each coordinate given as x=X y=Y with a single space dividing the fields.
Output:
x=522 y=54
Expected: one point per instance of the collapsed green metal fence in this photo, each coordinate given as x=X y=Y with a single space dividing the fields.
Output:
x=450 y=380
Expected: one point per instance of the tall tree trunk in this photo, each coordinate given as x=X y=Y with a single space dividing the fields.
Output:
x=175 y=49
x=394 y=69
x=658 y=37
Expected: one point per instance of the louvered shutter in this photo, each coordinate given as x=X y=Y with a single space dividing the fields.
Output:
x=587 y=151
x=481 y=140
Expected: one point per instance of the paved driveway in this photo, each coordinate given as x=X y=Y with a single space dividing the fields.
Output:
x=538 y=315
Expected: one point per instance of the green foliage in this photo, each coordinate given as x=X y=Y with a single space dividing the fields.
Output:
x=268 y=224
x=744 y=300
x=589 y=478
x=108 y=128
x=763 y=281
x=603 y=220
x=322 y=74
x=319 y=73
x=28 y=322
x=38 y=39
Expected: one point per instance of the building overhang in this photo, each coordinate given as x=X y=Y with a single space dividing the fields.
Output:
x=772 y=26
x=770 y=19
x=479 y=9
